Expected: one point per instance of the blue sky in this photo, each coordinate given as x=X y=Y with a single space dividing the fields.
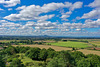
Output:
x=50 y=17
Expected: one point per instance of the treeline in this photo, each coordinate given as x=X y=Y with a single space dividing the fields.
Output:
x=29 y=38
x=20 y=42
x=85 y=41
x=50 y=57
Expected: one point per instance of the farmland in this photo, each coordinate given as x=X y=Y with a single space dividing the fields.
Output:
x=43 y=52
x=58 y=48
x=70 y=44
x=95 y=43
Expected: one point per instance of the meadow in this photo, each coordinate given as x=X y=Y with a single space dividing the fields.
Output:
x=70 y=44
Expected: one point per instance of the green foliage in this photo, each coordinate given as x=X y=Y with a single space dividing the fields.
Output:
x=43 y=54
x=95 y=61
x=50 y=49
x=10 y=50
x=9 y=60
x=16 y=63
x=90 y=61
x=64 y=59
x=36 y=57
x=51 y=54
x=33 y=53
x=78 y=55
x=84 y=63
x=2 y=62
x=30 y=64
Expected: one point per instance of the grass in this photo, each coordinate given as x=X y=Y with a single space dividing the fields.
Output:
x=70 y=44
x=26 y=59
x=95 y=43
x=21 y=43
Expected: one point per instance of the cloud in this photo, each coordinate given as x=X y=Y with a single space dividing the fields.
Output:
x=48 y=28
x=44 y=18
x=94 y=14
x=47 y=25
x=20 y=8
x=33 y=11
x=3 y=21
x=96 y=3
x=76 y=5
x=66 y=15
x=78 y=29
x=1 y=9
x=10 y=24
x=9 y=3
x=9 y=9
x=92 y=24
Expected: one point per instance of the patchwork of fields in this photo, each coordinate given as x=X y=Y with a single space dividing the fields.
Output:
x=64 y=45
x=58 y=48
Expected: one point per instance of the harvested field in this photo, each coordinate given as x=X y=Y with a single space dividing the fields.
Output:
x=85 y=51
x=57 y=48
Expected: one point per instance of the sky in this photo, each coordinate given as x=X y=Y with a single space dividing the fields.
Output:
x=78 y=18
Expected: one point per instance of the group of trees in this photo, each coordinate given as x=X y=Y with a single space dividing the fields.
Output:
x=20 y=42
x=51 y=57
x=2 y=62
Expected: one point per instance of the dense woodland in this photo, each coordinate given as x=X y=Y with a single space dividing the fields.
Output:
x=49 y=57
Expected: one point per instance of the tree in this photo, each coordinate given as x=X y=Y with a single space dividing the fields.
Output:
x=84 y=63
x=33 y=53
x=73 y=49
x=16 y=63
x=64 y=59
x=43 y=54
x=24 y=49
x=2 y=62
x=51 y=52
x=95 y=60
x=78 y=55
x=10 y=50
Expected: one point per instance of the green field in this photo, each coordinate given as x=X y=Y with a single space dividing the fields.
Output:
x=70 y=44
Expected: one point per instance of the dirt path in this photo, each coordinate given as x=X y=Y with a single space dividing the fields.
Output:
x=57 y=48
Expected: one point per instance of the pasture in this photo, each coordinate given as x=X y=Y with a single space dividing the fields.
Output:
x=70 y=44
